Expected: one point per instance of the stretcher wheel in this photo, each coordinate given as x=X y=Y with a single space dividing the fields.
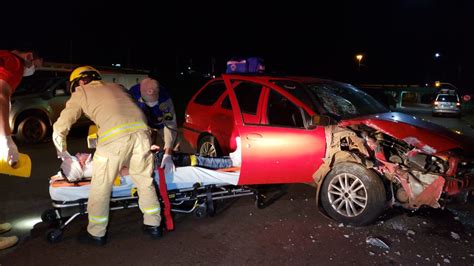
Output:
x=200 y=212
x=49 y=215
x=54 y=236
x=260 y=203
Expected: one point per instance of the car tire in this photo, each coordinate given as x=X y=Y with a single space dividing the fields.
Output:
x=208 y=146
x=343 y=184
x=32 y=129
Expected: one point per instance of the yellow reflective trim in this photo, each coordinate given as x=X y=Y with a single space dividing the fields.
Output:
x=151 y=210
x=98 y=219
x=99 y=158
x=122 y=128
x=119 y=126
x=193 y=160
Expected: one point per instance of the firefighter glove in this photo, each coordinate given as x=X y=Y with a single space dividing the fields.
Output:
x=167 y=163
x=59 y=142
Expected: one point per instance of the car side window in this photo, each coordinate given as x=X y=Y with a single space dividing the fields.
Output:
x=210 y=94
x=61 y=88
x=282 y=112
x=248 y=94
x=226 y=103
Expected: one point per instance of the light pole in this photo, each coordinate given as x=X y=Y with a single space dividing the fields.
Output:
x=359 y=58
x=438 y=84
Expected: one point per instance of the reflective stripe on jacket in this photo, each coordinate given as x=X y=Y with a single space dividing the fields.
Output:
x=108 y=105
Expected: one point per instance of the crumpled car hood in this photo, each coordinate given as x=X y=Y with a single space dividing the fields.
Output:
x=428 y=137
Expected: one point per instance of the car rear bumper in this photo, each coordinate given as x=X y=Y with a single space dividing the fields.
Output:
x=446 y=111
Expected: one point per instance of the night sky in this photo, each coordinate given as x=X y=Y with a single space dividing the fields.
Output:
x=398 y=38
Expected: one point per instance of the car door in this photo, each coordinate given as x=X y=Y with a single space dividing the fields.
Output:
x=248 y=94
x=277 y=148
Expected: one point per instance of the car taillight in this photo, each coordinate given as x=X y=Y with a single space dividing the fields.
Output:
x=436 y=103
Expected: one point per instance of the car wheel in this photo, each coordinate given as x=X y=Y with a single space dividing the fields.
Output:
x=32 y=129
x=208 y=146
x=353 y=194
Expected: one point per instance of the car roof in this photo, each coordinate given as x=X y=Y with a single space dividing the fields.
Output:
x=267 y=78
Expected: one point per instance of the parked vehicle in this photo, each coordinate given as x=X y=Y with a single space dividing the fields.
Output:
x=446 y=103
x=40 y=98
x=360 y=157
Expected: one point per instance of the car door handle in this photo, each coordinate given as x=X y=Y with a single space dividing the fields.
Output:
x=254 y=136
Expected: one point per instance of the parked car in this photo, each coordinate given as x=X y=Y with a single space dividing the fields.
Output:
x=446 y=104
x=40 y=98
x=360 y=157
x=36 y=104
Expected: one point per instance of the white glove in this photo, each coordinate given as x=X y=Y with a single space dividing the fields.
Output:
x=72 y=168
x=59 y=143
x=167 y=163
x=8 y=150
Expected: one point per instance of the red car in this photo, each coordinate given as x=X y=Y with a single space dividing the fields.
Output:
x=360 y=157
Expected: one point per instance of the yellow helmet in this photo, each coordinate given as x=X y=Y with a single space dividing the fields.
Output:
x=83 y=72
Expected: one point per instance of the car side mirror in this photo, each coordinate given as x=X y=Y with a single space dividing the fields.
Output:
x=321 y=120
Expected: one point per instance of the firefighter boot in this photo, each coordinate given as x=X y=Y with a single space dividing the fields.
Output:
x=88 y=239
x=154 y=232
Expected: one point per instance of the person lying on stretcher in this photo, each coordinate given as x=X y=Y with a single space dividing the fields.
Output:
x=79 y=167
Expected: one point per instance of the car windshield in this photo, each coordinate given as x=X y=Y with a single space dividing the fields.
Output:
x=345 y=101
x=40 y=82
x=339 y=100
x=446 y=98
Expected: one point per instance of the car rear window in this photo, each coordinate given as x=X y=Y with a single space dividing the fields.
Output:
x=210 y=94
x=446 y=98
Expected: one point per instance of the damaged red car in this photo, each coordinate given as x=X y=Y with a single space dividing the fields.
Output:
x=360 y=157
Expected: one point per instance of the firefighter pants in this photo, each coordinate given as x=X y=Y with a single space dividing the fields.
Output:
x=133 y=151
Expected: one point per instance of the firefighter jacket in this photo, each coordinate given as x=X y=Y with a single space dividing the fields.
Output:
x=108 y=105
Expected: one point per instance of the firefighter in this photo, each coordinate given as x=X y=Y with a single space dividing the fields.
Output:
x=14 y=66
x=158 y=107
x=123 y=140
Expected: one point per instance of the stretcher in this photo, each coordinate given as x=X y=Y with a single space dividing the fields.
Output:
x=188 y=190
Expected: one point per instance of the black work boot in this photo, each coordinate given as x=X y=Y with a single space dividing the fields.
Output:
x=154 y=232
x=86 y=238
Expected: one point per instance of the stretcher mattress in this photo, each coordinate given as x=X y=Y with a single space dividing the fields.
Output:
x=183 y=177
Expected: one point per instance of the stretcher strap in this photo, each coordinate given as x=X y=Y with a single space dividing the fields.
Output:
x=166 y=200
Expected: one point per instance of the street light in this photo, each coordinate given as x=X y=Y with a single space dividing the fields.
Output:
x=439 y=83
x=359 y=58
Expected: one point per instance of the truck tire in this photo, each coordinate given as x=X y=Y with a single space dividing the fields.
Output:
x=353 y=194
x=32 y=129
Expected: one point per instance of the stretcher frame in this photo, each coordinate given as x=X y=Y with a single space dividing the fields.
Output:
x=198 y=200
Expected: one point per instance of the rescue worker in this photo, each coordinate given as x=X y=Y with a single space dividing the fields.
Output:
x=14 y=66
x=123 y=140
x=158 y=107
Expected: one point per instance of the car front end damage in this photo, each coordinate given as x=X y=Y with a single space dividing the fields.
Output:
x=416 y=173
